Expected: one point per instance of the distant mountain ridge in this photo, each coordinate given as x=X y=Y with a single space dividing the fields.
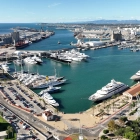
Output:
x=103 y=21
x=114 y=21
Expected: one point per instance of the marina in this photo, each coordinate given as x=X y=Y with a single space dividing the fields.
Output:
x=109 y=59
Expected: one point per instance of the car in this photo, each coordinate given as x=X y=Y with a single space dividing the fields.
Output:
x=34 y=137
x=34 y=101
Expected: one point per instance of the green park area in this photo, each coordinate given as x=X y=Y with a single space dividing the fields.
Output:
x=5 y=126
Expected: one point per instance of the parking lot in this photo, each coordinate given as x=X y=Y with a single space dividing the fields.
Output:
x=20 y=97
x=23 y=129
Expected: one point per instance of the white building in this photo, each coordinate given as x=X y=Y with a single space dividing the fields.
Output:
x=48 y=116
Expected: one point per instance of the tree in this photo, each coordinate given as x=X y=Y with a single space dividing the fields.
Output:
x=103 y=137
x=138 y=120
x=112 y=126
x=119 y=132
x=107 y=108
x=98 y=106
x=11 y=130
x=105 y=131
x=101 y=111
x=113 y=105
x=131 y=135
x=7 y=132
x=1 y=113
x=104 y=102
x=121 y=122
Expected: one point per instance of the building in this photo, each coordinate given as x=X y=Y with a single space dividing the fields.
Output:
x=133 y=92
x=48 y=116
x=15 y=36
x=3 y=134
x=116 y=36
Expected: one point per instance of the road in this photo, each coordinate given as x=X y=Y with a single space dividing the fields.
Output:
x=42 y=126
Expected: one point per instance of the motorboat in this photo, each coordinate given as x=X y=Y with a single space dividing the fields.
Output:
x=108 y=91
x=29 y=60
x=136 y=76
x=5 y=67
x=46 y=84
x=50 y=89
x=37 y=59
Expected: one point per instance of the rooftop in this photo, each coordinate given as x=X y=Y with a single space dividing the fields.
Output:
x=134 y=90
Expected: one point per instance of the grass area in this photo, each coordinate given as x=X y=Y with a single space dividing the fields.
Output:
x=3 y=124
x=3 y=127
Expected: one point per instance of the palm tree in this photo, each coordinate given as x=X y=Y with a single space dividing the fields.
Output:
x=7 y=132
x=104 y=102
x=11 y=130
x=113 y=105
x=93 y=108
x=98 y=106
x=101 y=111
x=108 y=107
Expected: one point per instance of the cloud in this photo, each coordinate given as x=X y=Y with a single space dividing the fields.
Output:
x=53 y=5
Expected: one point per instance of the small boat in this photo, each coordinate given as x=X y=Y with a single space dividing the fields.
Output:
x=58 y=42
x=5 y=67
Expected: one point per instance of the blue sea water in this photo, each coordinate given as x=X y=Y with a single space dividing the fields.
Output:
x=83 y=78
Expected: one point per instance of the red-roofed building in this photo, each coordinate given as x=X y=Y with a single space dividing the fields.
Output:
x=47 y=115
x=132 y=92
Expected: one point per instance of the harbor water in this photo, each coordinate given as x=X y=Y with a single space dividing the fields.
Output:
x=83 y=78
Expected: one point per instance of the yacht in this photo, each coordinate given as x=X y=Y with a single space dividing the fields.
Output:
x=5 y=67
x=47 y=96
x=136 y=76
x=46 y=84
x=49 y=99
x=50 y=89
x=29 y=60
x=109 y=90
x=37 y=59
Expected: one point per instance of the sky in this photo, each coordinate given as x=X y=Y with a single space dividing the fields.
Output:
x=61 y=11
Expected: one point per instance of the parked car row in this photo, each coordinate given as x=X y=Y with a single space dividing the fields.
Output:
x=17 y=123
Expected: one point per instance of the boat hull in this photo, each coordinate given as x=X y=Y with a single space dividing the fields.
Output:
x=135 y=77
x=59 y=60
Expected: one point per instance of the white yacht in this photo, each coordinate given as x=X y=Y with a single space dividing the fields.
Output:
x=50 y=89
x=48 y=83
x=37 y=59
x=5 y=67
x=49 y=99
x=47 y=96
x=29 y=60
x=107 y=91
x=136 y=76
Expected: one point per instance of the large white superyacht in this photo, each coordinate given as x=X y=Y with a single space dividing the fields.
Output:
x=107 y=91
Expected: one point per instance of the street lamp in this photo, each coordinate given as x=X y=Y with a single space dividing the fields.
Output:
x=80 y=132
x=81 y=137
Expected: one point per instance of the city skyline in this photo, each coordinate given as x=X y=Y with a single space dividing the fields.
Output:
x=57 y=11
